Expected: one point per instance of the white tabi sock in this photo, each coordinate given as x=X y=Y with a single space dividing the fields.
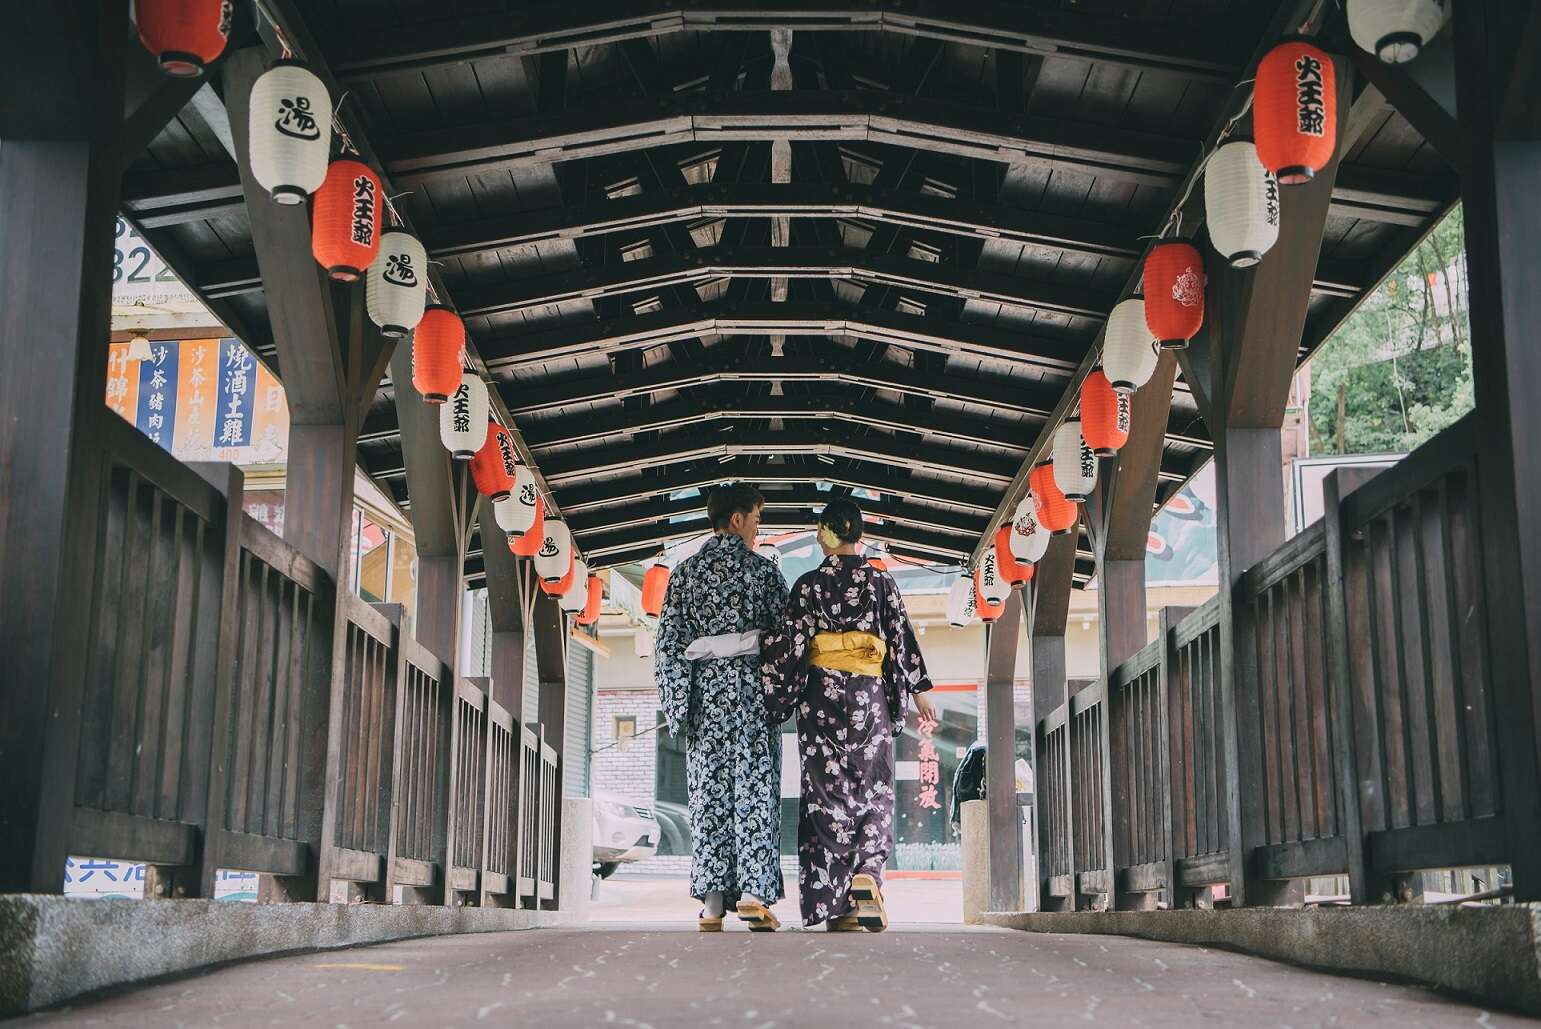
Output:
x=714 y=904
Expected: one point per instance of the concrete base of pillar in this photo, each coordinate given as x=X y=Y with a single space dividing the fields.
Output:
x=53 y=948
x=1492 y=954
x=576 y=875
x=974 y=823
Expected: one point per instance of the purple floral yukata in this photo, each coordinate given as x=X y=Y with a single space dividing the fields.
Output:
x=846 y=725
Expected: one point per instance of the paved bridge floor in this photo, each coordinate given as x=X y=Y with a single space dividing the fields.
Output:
x=671 y=976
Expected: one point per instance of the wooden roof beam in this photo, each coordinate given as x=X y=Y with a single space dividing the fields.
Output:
x=700 y=475
x=662 y=508
x=1204 y=52
x=976 y=465
x=996 y=393
x=943 y=545
x=937 y=334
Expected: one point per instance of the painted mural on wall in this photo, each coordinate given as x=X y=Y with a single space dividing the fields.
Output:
x=1181 y=548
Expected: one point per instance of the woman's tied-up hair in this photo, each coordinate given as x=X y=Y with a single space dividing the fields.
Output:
x=843 y=520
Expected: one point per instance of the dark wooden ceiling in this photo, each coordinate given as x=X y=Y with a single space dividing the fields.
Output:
x=969 y=184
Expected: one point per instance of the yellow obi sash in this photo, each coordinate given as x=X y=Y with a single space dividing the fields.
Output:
x=858 y=652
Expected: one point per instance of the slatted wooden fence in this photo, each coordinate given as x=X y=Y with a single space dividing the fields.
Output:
x=1377 y=749
x=241 y=713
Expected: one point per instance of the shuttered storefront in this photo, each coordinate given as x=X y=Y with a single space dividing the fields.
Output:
x=580 y=723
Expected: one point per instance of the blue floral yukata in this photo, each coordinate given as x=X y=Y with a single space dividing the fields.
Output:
x=733 y=752
x=846 y=725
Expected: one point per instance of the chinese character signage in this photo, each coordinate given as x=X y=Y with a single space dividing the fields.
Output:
x=202 y=400
x=927 y=757
x=236 y=388
x=157 y=393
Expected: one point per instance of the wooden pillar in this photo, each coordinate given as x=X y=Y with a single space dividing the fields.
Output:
x=443 y=511
x=550 y=626
x=332 y=358
x=1001 y=756
x=1046 y=644
x=1254 y=323
x=1498 y=49
x=59 y=180
x=510 y=605
x=1118 y=515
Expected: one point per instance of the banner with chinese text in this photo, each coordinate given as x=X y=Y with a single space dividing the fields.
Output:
x=201 y=399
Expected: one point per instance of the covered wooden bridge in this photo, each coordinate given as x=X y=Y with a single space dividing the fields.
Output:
x=822 y=247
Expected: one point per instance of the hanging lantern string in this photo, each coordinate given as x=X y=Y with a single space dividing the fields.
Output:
x=284 y=49
x=390 y=207
x=1175 y=218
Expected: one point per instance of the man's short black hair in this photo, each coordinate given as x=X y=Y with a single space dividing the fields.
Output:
x=724 y=501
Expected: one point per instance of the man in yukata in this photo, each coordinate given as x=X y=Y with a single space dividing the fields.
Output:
x=707 y=666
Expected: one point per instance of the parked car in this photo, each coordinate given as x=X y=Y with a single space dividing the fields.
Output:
x=623 y=832
x=674 y=823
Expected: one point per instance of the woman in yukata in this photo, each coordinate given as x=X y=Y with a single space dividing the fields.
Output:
x=846 y=662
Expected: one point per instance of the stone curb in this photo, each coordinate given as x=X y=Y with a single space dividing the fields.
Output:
x=53 y=948
x=1488 y=953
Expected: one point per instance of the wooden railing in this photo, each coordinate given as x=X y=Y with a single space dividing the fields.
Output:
x=1190 y=678
x=240 y=713
x=1372 y=748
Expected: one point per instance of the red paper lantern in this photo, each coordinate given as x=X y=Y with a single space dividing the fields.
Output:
x=592 y=604
x=565 y=583
x=1174 y=293
x=1295 y=111
x=529 y=544
x=1104 y=415
x=345 y=220
x=438 y=345
x=655 y=582
x=494 y=466
x=987 y=610
x=1055 y=512
x=1018 y=573
x=184 y=35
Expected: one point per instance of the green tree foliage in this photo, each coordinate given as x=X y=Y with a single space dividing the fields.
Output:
x=1399 y=369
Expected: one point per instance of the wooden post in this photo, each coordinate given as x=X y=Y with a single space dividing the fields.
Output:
x=1001 y=756
x=332 y=358
x=444 y=507
x=1339 y=483
x=1046 y=643
x=1120 y=512
x=510 y=603
x=1498 y=46
x=1254 y=323
x=551 y=668
x=59 y=187
x=1172 y=821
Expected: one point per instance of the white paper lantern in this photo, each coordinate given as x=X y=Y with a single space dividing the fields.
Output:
x=555 y=555
x=961 y=602
x=290 y=132
x=1029 y=539
x=1396 y=31
x=1241 y=202
x=1128 y=348
x=1075 y=466
x=577 y=594
x=516 y=512
x=992 y=584
x=770 y=552
x=396 y=285
x=463 y=418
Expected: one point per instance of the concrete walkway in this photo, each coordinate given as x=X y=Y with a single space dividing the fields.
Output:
x=629 y=975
